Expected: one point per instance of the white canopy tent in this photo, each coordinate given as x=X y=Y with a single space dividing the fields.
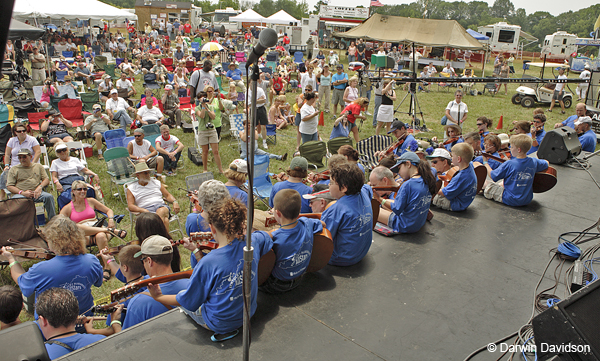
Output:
x=248 y=16
x=281 y=17
x=69 y=9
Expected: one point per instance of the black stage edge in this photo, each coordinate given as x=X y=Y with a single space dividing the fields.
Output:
x=465 y=280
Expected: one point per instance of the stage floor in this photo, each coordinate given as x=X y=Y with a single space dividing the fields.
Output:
x=465 y=280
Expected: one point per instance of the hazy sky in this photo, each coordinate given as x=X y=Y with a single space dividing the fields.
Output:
x=555 y=7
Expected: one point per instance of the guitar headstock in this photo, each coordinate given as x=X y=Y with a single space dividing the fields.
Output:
x=200 y=236
x=103 y=309
x=124 y=292
x=208 y=245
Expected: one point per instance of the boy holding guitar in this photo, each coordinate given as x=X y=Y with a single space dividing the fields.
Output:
x=462 y=188
x=517 y=174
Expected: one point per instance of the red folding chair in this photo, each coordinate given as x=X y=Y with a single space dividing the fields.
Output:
x=160 y=106
x=34 y=119
x=189 y=64
x=168 y=63
x=72 y=109
x=186 y=107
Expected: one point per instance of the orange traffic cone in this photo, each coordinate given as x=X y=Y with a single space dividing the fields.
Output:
x=321 y=119
x=500 y=126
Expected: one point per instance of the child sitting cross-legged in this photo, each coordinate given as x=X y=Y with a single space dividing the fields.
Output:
x=292 y=242
x=462 y=189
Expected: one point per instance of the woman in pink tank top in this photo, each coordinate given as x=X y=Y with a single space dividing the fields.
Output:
x=81 y=210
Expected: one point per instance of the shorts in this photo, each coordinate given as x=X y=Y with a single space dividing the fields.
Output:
x=558 y=96
x=261 y=116
x=60 y=135
x=206 y=137
x=441 y=202
x=152 y=162
x=278 y=92
x=351 y=125
x=338 y=97
x=274 y=285
x=297 y=119
x=494 y=191
x=153 y=208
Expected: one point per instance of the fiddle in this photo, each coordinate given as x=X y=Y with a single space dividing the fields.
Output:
x=204 y=240
x=116 y=249
x=392 y=147
x=193 y=196
x=316 y=177
x=450 y=141
x=31 y=253
x=386 y=188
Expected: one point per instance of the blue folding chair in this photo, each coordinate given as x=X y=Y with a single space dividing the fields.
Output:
x=262 y=181
x=170 y=77
x=126 y=140
x=195 y=46
x=60 y=75
x=114 y=138
x=272 y=133
x=67 y=54
x=298 y=57
x=119 y=61
x=242 y=67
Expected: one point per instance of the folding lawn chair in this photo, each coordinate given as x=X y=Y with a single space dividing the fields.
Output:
x=367 y=148
x=314 y=152
x=193 y=182
x=334 y=144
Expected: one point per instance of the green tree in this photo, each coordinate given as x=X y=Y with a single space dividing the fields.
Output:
x=267 y=8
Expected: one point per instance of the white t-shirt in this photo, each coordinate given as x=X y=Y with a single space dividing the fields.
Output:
x=457 y=111
x=560 y=86
x=71 y=167
x=115 y=106
x=148 y=195
x=124 y=84
x=149 y=114
x=310 y=126
x=170 y=144
x=141 y=150
x=306 y=79
x=260 y=93
x=586 y=74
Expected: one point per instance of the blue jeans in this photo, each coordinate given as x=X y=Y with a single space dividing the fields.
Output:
x=48 y=201
x=377 y=104
x=123 y=118
x=351 y=58
x=170 y=164
x=257 y=151
x=309 y=137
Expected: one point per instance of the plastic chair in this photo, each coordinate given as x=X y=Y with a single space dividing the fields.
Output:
x=262 y=181
x=127 y=140
x=120 y=169
x=272 y=133
x=151 y=132
x=45 y=162
x=314 y=152
x=78 y=145
x=114 y=138
x=60 y=75
x=334 y=144
x=72 y=109
x=298 y=57
x=193 y=182
x=367 y=148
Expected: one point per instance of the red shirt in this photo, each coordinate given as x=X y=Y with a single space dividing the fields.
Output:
x=277 y=84
x=247 y=36
x=354 y=109
x=286 y=40
x=280 y=48
x=187 y=28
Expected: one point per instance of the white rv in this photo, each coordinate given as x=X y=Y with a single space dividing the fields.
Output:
x=504 y=38
x=559 y=45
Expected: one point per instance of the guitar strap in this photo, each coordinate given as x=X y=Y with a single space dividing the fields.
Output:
x=60 y=344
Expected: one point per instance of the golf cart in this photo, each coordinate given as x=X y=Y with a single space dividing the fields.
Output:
x=528 y=94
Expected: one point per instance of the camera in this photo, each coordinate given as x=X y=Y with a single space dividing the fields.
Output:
x=210 y=125
x=48 y=82
x=205 y=100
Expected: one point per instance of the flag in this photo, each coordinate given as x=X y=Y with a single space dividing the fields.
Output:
x=376 y=3
x=597 y=24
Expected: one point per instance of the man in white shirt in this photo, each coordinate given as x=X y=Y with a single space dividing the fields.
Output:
x=559 y=92
x=141 y=150
x=149 y=114
x=117 y=108
x=97 y=124
x=169 y=147
x=59 y=48
x=261 y=112
x=582 y=88
x=124 y=83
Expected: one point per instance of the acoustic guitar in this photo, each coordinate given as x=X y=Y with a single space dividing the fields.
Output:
x=542 y=181
x=131 y=289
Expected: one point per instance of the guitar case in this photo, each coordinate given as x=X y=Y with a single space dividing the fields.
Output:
x=187 y=127
x=195 y=156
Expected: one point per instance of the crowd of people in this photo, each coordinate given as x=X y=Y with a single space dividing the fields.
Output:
x=405 y=183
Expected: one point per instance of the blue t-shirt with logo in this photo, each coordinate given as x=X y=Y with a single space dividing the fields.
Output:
x=409 y=144
x=538 y=137
x=216 y=284
x=588 y=141
x=299 y=187
x=491 y=162
x=293 y=248
x=518 y=176
x=411 y=206
x=462 y=189
x=350 y=221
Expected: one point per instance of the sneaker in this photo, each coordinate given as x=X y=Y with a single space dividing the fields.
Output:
x=265 y=145
x=284 y=158
x=549 y=110
x=169 y=173
x=367 y=113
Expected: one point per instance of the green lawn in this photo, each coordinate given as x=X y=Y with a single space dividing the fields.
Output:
x=432 y=104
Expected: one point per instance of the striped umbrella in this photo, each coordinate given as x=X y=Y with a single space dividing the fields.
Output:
x=211 y=46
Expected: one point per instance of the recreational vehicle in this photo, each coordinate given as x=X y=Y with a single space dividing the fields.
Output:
x=505 y=38
x=559 y=46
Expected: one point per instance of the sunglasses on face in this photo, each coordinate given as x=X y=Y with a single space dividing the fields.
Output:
x=80 y=189
x=137 y=135
x=61 y=150
x=478 y=124
x=434 y=161
x=20 y=131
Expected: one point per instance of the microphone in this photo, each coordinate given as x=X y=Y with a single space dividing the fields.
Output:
x=266 y=39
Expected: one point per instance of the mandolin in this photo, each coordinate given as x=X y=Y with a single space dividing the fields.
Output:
x=131 y=289
x=386 y=188
x=542 y=181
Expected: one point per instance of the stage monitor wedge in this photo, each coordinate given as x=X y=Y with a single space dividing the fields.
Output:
x=23 y=342
x=559 y=145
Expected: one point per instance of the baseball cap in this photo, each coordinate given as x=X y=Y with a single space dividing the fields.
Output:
x=60 y=146
x=409 y=157
x=584 y=120
x=326 y=194
x=97 y=106
x=440 y=153
x=240 y=166
x=299 y=162
x=339 y=66
x=396 y=125
x=504 y=138
x=114 y=91
x=154 y=246
x=168 y=87
x=138 y=130
x=24 y=151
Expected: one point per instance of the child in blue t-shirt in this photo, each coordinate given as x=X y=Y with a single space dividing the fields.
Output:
x=409 y=211
x=517 y=174
x=297 y=172
x=292 y=242
x=236 y=176
x=350 y=219
x=214 y=298
x=491 y=145
x=462 y=189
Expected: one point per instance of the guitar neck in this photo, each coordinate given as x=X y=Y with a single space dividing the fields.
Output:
x=129 y=290
x=386 y=188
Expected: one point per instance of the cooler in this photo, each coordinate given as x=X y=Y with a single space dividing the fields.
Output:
x=378 y=60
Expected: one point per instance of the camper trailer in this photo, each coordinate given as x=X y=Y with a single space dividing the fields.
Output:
x=559 y=46
x=504 y=38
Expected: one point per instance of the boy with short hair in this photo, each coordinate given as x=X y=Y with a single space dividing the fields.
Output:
x=11 y=304
x=462 y=189
x=517 y=173
x=292 y=242
x=350 y=219
x=296 y=173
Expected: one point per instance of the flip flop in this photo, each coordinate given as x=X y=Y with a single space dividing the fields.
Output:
x=106 y=274
x=119 y=233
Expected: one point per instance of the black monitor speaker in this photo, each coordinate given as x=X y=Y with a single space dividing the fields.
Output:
x=23 y=342
x=571 y=327
x=559 y=145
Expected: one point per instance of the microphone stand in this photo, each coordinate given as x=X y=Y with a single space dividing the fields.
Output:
x=248 y=250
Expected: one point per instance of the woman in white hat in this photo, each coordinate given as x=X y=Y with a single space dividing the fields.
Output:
x=105 y=87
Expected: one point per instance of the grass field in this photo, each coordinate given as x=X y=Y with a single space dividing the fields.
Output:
x=432 y=105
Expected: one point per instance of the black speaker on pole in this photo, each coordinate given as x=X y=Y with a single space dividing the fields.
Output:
x=571 y=327
x=559 y=145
